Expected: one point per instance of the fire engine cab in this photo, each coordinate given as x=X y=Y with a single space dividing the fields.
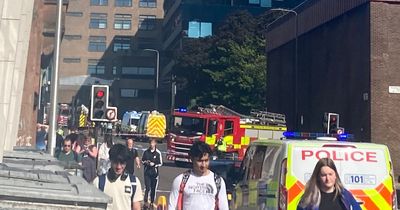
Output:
x=227 y=132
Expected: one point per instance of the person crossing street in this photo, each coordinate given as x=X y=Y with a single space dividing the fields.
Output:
x=152 y=160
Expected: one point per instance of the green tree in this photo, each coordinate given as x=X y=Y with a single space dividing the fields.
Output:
x=228 y=68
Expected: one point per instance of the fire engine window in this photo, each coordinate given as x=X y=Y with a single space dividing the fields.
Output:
x=256 y=164
x=270 y=162
x=228 y=129
x=212 y=127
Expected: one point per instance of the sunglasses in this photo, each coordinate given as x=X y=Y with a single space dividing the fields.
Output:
x=67 y=145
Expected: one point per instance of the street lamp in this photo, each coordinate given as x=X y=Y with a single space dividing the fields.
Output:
x=157 y=76
x=295 y=57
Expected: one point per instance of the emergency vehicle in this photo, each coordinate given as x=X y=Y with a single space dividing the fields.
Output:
x=227 y=132
x=130 y=121
x=273 y=173
x=152 y=125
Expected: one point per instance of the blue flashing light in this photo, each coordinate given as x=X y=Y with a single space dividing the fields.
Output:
x=181 y=109
x=289 y=134
x=343 y=137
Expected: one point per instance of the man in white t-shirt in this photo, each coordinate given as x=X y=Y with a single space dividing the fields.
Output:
x=199 y=188
x=124 y=188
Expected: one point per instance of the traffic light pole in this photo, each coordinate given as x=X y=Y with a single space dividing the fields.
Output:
x=54 y=84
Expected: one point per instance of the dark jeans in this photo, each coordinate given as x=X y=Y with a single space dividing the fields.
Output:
x=151 y=185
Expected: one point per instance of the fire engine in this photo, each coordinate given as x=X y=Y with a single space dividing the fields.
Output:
x=227 y=132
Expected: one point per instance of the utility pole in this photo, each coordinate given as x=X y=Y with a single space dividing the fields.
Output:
x=157 y=76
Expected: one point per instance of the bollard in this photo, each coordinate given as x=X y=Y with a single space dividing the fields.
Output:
x=162 y=203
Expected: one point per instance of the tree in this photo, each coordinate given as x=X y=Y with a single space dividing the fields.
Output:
x=228 y=68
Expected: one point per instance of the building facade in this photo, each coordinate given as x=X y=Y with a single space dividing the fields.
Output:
x=348 y=62
x=111 y=42
x=192 y=19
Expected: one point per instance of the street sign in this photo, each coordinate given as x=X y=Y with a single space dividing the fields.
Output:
x=111 y=114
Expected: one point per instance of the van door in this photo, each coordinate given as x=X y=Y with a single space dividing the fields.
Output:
x=365 y=170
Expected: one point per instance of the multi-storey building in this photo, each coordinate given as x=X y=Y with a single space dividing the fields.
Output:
x=113 y=42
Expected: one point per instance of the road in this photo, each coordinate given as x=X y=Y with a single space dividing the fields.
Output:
x=167 y=172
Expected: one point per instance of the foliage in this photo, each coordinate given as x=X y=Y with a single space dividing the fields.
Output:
x=228 y=68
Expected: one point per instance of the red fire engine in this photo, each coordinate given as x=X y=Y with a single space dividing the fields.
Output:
x=226 y=131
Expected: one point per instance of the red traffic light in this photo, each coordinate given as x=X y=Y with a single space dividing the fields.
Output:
x=100 y=94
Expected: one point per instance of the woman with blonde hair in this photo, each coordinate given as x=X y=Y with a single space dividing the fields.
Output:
x=325 y=191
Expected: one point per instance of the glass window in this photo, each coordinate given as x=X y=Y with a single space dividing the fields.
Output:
x=96 y=66
x=122 y=21
x=98 y=20
x=212 y=127
x=74 y=14
x=97 y=44
x=148 y=3
x=129 y=93
x=147 y=22
x=270 y=162
x=146 y=71
x=99 y=2
x=199 y=29
x=256 y=164
x=114 y=70
x=122 y=44
x=228 y=129
x=72 y=37
x=123 y=3
x=254 y=1
x=72 y=60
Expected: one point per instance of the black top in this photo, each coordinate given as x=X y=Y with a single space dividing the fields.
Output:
x=328 y=202
x=154 y=157
x=130 y=164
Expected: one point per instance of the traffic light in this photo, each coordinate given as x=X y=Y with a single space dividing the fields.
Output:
x=333 y=123
x=99 y=103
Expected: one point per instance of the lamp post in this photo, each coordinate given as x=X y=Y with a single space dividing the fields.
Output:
x=157 y=76
x=295 y=59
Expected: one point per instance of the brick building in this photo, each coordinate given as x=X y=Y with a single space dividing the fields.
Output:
x=104 y=43
x=348 y=57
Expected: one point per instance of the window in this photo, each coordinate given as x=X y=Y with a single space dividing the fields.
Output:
x=129 y=93
x=99 y=2
x=262 y=3
x=97 y=44
x=123 y=3
x=122 y=21
x=228 y=129
x=147 y=22
x=256 y=164
x=114 y=70
x=146 y=71
x=98 y=20
x=212 y=127
x=147 y=3
x=72 y=60
x=96 y=66
x=199 y=29
x=122 y=44
x=72 y=37
x=74 y=14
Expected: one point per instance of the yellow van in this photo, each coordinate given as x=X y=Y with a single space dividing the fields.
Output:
x=274 y=172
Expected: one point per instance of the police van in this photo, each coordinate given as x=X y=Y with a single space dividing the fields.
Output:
x=273 y=173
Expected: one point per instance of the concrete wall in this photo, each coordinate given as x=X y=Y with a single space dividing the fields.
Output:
x=333 y=75
x=385 y=72
x=15 y=25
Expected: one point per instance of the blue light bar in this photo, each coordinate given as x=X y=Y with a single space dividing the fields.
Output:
x=305 y=135
x=181 y=109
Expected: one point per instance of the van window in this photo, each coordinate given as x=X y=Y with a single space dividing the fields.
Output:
x=244 y=169
x=270 y=162
x=256 y=163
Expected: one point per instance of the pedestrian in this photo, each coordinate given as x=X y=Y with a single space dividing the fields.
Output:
x=198 y=188
x=325 y=191
x=104 y=158
x=67 y=154
x=124 y=188
x=89 y=155
x=133 y=157
x=152 y=160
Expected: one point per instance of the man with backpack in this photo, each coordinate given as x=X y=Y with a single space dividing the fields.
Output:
x=198 y=188
x=124 y=188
